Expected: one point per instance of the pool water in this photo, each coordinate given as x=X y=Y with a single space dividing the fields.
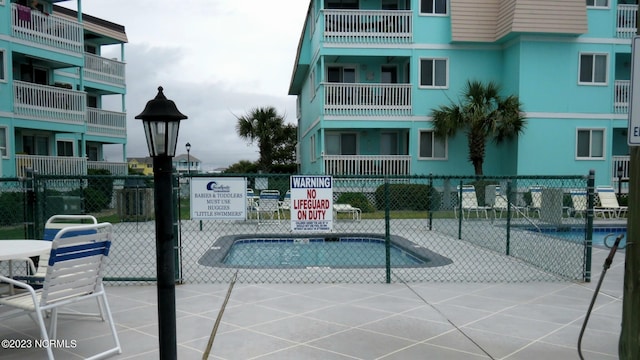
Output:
x=342 y=252
x=598 y=236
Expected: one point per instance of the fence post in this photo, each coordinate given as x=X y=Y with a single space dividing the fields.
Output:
x=508 y=250
x=387 y=232
x=589 y=231
x=30 y=205
x=461 y=213
x=430 y=199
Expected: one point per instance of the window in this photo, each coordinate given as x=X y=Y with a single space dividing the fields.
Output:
x=433 y=73
x=65 y=148
x=341 y=144
x=433 y=7
x=341 y=4
x=432 y=147
x=593 y=69
x=590 y=144
x=3 y=141
x=598 y=3
x=35 y=145
x=2 y=69
x=341 y=74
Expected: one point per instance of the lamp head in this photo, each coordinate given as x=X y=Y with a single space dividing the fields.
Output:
x=161 y=121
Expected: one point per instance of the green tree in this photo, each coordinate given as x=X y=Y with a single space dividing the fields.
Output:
x=242 y=167
x=483 y=114
x=276 y=140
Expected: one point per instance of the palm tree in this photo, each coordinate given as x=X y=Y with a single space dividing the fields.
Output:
x=483 y=114
x=266 y=127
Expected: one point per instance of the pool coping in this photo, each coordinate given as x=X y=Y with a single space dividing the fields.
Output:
x=214 y=257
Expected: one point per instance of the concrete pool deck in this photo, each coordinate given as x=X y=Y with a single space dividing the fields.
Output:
x=523 y=321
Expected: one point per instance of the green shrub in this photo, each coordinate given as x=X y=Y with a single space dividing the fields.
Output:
x=358 y=200
x=12 y=208
x=99 y=191
x=413 y=197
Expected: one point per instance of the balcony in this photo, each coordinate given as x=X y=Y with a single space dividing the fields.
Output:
x=368 y=26
x=624 y=163
x=48 y=103
x=49 y=30
x=103 y=70
x=106 y=123
x=622 y=89
x=626 y=21
x=367 y=99
x=378 y=165
x=51 y=165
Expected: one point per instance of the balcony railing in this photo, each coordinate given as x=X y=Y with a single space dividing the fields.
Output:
x=368 y=26
x=51 y=165
x=50 y=30
x=380 y=165
x=622 y=89
x=623 y=162
x=104 y=70
x=115 y=168
x=367 y=99
x=48 y=103
x=626 y=21
x=107 y=123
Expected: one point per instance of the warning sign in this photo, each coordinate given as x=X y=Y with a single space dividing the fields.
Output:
x=311 y=203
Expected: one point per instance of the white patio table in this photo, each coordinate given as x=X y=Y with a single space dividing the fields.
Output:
x=20 y=250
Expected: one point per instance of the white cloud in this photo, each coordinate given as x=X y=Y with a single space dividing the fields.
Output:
x=216 y=59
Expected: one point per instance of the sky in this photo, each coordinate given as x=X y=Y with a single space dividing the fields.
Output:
x=216 y=59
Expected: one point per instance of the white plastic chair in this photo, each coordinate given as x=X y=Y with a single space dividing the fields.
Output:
x=608 y=202
x=74 y=273
x=356 y=213
x=501 y=204
x=285 y=204
x=470 y=202
x=269 y=203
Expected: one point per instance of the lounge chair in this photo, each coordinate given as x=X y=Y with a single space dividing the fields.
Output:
x=269 y=203
x=579 y=203
x=536 y=199
x=501 y=204
x=74 y=274
x=251 y=202
x=470 y=202
x=285 y=204
x=356 y=213
x=609 y=203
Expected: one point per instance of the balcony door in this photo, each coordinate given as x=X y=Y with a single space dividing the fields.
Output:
x=341 y=74
x=341 y=144
x=35 y=145
x=32 y=74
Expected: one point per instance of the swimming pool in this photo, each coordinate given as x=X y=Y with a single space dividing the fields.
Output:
x=322 y=250
x=597 y=238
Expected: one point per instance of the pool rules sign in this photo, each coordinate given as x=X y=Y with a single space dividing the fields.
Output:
x=311 y=203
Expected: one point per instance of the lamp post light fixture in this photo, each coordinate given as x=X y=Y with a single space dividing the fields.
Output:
x=619 y=172
x=161 y=121
x=188 y=146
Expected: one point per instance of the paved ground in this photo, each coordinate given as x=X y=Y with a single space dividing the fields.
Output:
x=538 y=320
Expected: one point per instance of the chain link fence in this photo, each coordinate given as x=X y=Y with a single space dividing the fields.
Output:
x=419 y=228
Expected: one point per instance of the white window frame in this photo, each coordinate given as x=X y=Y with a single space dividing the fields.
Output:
x=446 y=12
x=593 y=56
x=593 y=4
x=434 y=59
x=433 y=142
x=4 y=149
x=604 y=143
x=3 y=65
x=312 y=145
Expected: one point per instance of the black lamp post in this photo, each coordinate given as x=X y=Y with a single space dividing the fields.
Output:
x=619 y=173
x=161 y=121
x=188 y=146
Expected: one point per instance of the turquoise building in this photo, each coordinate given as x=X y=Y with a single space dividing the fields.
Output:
x=368 y=73
x=55 y=87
